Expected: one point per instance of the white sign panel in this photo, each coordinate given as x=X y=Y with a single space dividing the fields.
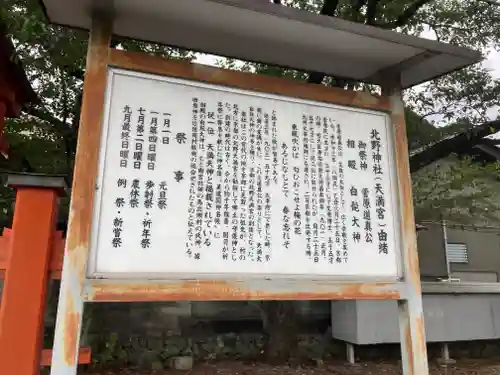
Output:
x=199 y=179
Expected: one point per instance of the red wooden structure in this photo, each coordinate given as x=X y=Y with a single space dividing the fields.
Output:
x=31 y=252
x=15 y=90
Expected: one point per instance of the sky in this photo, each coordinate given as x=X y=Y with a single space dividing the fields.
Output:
x=493 y=63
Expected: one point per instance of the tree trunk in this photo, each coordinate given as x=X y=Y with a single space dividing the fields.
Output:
x=280 y=325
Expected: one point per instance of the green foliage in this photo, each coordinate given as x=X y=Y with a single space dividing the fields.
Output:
x=109 y=353
x=468 y=93
x=458 y=190
x=419 y=131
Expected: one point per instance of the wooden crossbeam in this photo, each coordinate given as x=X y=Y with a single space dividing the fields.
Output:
x=84 y=357
x=55 y=268
x=56 y=260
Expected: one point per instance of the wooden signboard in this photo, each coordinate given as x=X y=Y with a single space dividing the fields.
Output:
x=197 y=180
x=196 y=183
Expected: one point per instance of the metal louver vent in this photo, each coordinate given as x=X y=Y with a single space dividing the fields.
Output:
x=457 y=253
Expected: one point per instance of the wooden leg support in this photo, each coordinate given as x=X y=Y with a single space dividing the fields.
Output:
x=25 y=288
x=351 y=358
x=30 y=254
x=445 y=359
x=84 y=357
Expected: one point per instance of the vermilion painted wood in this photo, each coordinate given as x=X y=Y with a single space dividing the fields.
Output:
x=56 y=254
x=25 y=288
x=55 y=267
x=84 y=356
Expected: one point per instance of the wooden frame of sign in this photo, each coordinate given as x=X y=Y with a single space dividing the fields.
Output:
x=80 y=284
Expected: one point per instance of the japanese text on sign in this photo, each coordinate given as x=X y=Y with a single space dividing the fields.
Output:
x=201 y=179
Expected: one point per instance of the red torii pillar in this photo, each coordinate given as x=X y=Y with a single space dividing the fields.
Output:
x=31 y=253
x=23 y=306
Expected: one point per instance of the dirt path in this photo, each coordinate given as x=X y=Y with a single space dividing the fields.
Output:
x=477 y=367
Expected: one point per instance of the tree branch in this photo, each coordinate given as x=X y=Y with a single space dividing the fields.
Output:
x=316 y=77
x=371 y=11
x=75 y=126
x=436 y=26
x=405 y=16
x=65 y=115
x=355 y=14
x=60 y=127
x=328 y=9
x=492 y=2
x=80 y=73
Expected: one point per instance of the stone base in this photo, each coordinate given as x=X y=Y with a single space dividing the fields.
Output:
x=183 y=363
x=445 y=362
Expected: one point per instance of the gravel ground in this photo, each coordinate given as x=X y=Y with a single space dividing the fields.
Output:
x=477 y=367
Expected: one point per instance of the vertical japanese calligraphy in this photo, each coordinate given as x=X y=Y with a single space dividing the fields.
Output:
x=125 y=136
x=116 y=240
x=379 y=191
x=205 y=179
x=139 y=139
x=153 y=139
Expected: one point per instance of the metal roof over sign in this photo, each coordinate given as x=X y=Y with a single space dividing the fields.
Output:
x=285 y=36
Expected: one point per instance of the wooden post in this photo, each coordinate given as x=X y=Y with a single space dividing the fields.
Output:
x=24 y=298
x=411 y=318
x=70 y=309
